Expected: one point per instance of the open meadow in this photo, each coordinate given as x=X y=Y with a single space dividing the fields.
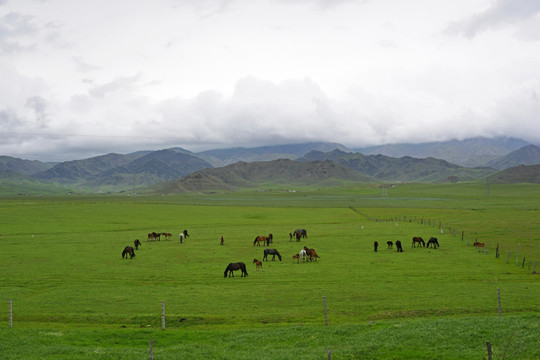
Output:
x=74 y=297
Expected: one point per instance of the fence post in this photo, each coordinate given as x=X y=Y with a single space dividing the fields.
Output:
x=10 y=313
x=325 y=312
x=508 y=258
x=523 y=264
x=499 y=300
x=151 y=353
x=497 y=252
x=162 y=315
x=488 y=344
x=517 y=253
x=329 y=354
x=534 y=267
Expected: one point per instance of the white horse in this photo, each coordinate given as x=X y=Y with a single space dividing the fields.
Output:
x=303 y=254
x=181 y=237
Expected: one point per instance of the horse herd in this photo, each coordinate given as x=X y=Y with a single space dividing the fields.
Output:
x=153 y=236
x=432 y=242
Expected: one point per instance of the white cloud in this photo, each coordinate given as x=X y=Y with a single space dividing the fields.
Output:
x=87 y=78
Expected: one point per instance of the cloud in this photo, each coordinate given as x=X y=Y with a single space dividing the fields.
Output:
x=502 y=13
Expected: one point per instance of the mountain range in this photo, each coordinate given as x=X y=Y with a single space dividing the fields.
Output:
x=177 y=169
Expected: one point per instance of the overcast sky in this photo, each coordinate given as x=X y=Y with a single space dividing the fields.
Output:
x=86 y=78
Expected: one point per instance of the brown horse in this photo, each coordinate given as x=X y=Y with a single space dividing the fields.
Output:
x=137 y=243
x=258 y=264
x=311 y=253
x=167 y=235
x=479 y=245
x=296 y=257
x=221 y=241
x=298 y=236
x=265 y=240
x=128 y=250
x=419 y=240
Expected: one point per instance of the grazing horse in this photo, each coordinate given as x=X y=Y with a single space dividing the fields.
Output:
x=302 y=232
x=303 y=255
x=128 y=250
x=298 y=236
x=186 y=235
x=167 y=235
x=375 y=245
x=151 y=237
x=236 y=266
x=272 y=252
x=181 y=237
x=221 y=241
x=390 y=244
x=311 y=253
x=258 y=264
x=433 y=242
x=398 y=246
x=296 y=257
x=137 y=243
x=260 y=238
x=419 y=240
x=479 y=245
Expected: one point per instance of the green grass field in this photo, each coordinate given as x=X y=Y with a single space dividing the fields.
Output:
x=74 y=297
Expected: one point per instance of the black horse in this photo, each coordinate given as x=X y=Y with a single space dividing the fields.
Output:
x=390 y=244
x=375 y=245
x=137 y=243
x=272 y=252
x=236 y=266
x=398 y=246
x=128 y=250
x=186 y=235
x=433 y=242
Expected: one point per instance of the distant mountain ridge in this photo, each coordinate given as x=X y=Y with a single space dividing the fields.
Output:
x=117 y=172
x=471 y=152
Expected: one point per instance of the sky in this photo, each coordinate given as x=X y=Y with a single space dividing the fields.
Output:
x=87 y=78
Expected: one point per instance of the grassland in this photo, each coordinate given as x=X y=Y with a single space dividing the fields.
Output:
x=74 y=297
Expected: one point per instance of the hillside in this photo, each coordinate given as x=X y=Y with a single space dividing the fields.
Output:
x=282 y=172
x=527 y=155
x=222 y=157
x=405 y=169
x=517 y=174
x=471 y=152
x=24 y=167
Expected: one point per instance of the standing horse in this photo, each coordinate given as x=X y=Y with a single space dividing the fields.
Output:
x=221 y=241
x=433 y=242
x=303 y=255
x=419 y=240
x=479 y=245
x=311 y=253
x=186 y=235
x=260 y=238
x=302 y=232
x=236 y=266
x=128 y=250
x=298 y=236
x=375 y=245
x=258 y=264
x=398 y=246
x=181 y=237
x=137 y=243
x=390 y=244
x=290 y=237
x=167 y=235
x=296 y=257
x=151 y=237
x=272 y=252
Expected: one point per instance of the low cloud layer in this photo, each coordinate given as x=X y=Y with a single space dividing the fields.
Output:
x=101 y=78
